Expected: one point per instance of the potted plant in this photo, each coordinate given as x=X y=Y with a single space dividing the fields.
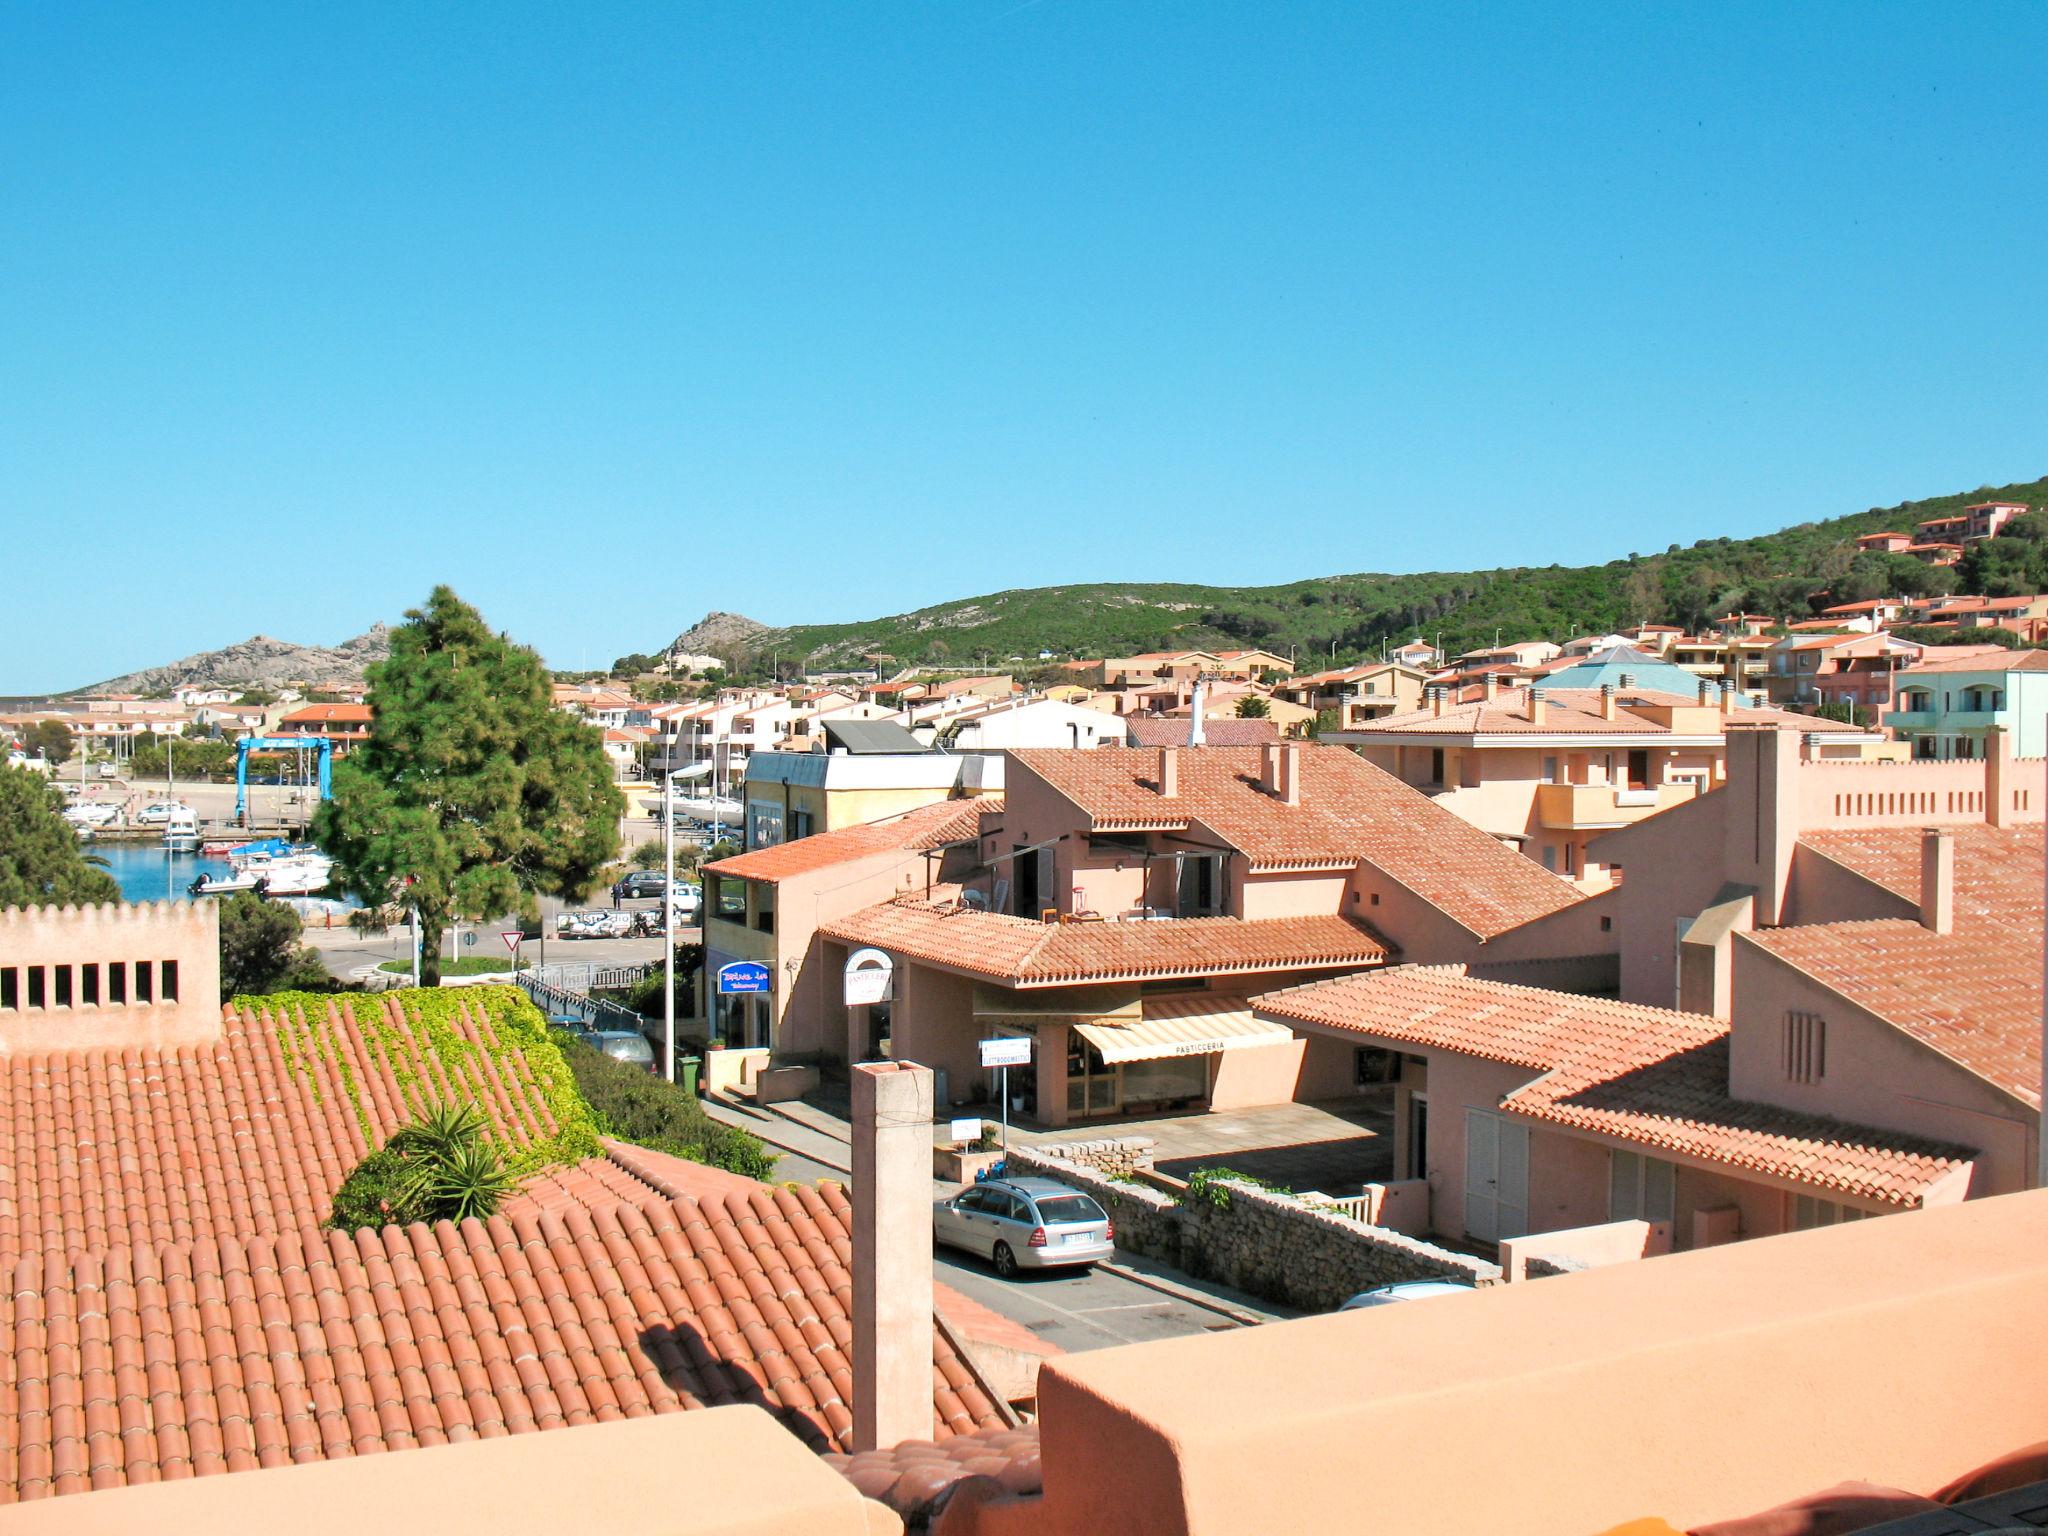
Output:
x=964 y=1162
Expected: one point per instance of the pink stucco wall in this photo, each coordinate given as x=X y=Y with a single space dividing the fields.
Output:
x=1778 y=1366
x=1874 y=1074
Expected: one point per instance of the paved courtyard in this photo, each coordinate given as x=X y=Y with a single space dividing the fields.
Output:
x=1334 y=1147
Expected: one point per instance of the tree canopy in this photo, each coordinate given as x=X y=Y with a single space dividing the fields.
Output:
x=41 y=862
x=260 y=949
x=473 y=794
x=51 y=738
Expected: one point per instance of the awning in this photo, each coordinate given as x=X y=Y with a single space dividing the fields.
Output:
x=1184 y=1026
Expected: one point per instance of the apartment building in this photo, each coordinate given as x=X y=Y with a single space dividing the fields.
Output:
x=1370 y=691
x=1549 y=769
x=1130 y=905
x=1953 y=697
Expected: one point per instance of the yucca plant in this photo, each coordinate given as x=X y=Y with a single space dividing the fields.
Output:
x=471 y=1180
x=440 y=1132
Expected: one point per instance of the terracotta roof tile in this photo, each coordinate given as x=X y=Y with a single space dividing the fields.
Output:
x=1350 y=812
x=929 y=826
x=1025 y=953
x=1161 y=731
x=1647 y=1076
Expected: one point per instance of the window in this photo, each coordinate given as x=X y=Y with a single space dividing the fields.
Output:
x=1550 y=857
x=89 y=984
x=35 y=986
x=1808 y=1212
x=1436 y=765
x=168 y=989
x=1805 y=1047
x=143 y=977
x=764 y=906
x=10 y=987
x=1640 y=1188
x=61 y=974
x=1550 y=770
x=117 y=983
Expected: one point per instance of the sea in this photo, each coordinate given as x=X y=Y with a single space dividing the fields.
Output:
x=146 y=872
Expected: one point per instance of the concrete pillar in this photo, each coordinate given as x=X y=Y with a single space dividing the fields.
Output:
x=1938 y=880
x=892 y=1254
x=1997 y=777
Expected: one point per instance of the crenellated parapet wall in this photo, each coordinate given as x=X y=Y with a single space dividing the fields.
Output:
x=2004 y=791
x=108 y=976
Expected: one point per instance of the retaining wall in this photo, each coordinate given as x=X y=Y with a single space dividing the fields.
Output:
x=1263 y=1242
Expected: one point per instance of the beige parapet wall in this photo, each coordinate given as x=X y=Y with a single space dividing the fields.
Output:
x=712 y=1472
x=109 y=976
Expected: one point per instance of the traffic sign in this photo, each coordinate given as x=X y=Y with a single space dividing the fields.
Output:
x=511 y=936
x=742 y=976
x=469 y=941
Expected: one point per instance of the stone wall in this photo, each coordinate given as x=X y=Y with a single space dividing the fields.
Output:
x=1258 y=1241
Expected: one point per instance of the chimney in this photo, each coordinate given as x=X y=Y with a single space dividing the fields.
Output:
x=1196 y=738
x=1436 y=701
x=892 y=1254
x=1290 y=773
x=1704 y=685
x=1607 y=701
x=1536 y=706
x=1997 y=777
x=1492 y=686
x=1762 y=767
x=1169 y=773
x=1938 y=880
x=1628 y=679
x=1727 y=699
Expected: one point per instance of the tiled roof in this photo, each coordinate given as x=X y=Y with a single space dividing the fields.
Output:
x=1027 y=953
x=1576 y=711
x=1973 y=995
x=1158 y=731
x=1975 y=658
x=221 y=1355
x=139 y=1147
x=910 y=1478
x=1648 y=1076
x=911 y=832
x=173 y=1306
x=1997 y=869
x=1349 y=812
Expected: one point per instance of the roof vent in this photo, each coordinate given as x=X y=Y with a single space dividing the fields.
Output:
x=1537 y=706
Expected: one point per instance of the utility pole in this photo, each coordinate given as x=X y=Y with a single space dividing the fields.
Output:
x=668 y=922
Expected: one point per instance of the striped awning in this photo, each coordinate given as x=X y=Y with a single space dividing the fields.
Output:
x=1196 y=1025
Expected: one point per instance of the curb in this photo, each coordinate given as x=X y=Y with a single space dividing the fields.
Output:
x=1180 y=1293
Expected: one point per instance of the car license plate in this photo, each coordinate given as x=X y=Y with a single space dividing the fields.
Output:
x=1079 y=1237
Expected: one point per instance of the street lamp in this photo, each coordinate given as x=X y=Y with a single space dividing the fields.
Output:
x=668 y=922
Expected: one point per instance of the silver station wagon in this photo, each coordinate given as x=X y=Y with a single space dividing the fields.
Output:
x=1025 y=1224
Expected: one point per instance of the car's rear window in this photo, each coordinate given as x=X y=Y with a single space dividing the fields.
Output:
x=1058 y=1210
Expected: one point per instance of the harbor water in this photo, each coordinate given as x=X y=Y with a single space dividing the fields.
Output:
x=145 y=872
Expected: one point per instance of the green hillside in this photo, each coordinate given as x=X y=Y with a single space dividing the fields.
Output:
x=1777 y=573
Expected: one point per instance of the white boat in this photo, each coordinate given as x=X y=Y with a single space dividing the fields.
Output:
x=92 y=813
x=699 y=808
x=181 y=832
x=301 y=873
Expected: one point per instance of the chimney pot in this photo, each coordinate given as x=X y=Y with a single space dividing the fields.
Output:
x=1628 y=679
x=1169 y=773
x=1938 y=880
x=1492 y=685
x=1703 y=687
x=1436 y=701
x=1537 y=706
x=1606 y=701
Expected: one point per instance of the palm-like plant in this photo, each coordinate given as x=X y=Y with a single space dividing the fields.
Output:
x=440 y=1132
x=470 y=1180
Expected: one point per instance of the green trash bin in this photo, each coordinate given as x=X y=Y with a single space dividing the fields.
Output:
x=686 y=1073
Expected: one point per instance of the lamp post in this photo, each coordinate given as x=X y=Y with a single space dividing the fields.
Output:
x=668 y=922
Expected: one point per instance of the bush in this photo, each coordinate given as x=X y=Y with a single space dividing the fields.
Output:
x=634 y=1105
x=440 y=1167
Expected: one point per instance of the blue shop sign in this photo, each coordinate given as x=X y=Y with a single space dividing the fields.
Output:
x=742 y=976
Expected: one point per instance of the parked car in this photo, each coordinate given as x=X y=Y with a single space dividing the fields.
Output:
x=641 y=883
x=1403 y=1290
x=157 y=813
x=624 y=1045
x=1025 y=1224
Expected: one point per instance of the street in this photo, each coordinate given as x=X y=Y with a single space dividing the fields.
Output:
x=1091 y=1309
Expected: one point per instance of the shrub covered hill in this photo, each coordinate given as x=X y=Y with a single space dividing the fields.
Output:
x=1783 y=574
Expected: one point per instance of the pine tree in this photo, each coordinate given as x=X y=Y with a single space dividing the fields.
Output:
x=474 y=795
x=41 y=863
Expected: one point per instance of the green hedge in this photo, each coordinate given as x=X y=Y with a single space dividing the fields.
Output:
x=634 y=1105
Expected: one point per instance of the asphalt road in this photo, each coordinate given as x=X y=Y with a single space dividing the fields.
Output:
x=1089 y=1309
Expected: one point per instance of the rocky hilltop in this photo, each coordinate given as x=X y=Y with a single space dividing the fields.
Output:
x=717 y=634
x=259 y=661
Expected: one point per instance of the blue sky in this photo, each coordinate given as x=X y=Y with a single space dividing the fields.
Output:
x=609 y=315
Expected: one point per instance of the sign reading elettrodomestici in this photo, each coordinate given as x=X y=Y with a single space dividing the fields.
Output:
x=1006 y=1051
